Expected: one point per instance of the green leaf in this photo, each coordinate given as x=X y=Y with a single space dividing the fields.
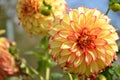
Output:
x=13 y=50
x=111 y=71
x=52 y=64
x=44 y=43
x=30 y=52
x=23 y=64
x=36 y=54
x=114 y=1
x=40 y=55
x=42 y=64
x=75 y=76
x=118 y=52
x=34 y=71
x=107 y=74
x=56 y=76
x=101 y=77
x=117 y=70
x=13 y=78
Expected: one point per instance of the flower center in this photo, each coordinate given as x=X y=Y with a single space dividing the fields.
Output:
x=30 y=7
x=86 y=40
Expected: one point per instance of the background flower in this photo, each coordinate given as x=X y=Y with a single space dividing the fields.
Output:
x=83 y=42
x=1 y=78
x=37 y=16
x=7 y=62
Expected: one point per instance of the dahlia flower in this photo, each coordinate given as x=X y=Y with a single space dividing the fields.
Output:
x=37 y=16
x=7 y=63
x=83 y=42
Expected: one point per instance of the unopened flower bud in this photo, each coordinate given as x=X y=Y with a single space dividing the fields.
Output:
x=102 y=77
x=45 y=10
x=115 y=7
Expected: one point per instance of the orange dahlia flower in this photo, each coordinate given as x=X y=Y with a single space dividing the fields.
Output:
x=37 y=16
x=83 y=42
x=7 y=63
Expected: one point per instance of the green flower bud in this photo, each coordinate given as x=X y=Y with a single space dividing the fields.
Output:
x=102 y=77
x=45 y=10
x=115 y=7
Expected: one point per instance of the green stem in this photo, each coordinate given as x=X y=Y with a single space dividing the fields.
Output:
x=107 y=11
x=41 y=78
x=53 y=15
x=47 y=73
x=70 y=76
x=83 y=78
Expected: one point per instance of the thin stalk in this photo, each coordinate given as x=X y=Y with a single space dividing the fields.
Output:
x=53 y=15
x=107 y=11
x=41 y=78
x=83 y=77
x=47 y=73
x=70 y=76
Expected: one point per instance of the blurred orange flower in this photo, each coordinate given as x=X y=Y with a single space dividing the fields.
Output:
x=36 y=16
x=83 y=42
x=7 y=62
x=1 y=78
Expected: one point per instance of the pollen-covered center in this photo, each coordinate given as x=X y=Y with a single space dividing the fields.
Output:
x=30 y=7
x=85 y=39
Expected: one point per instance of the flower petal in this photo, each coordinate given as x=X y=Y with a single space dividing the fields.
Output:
x=65 y=52
x=100 y=42
x=95 y=68
x=93 y=54
x=78 y=61
x=71 y=58
x=81 y=21
x=66 y=45
x=88 y=59
x=55 y=44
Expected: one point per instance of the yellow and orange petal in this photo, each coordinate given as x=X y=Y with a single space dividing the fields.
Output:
x=31 y=18
x=83 y=42
x=7 y=62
